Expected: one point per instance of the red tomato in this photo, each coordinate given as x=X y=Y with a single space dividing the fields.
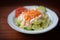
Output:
x=19 y=11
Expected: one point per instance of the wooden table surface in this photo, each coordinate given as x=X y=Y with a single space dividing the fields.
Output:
x=7 y=33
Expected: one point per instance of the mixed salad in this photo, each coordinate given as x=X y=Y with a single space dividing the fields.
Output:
x=32 y=19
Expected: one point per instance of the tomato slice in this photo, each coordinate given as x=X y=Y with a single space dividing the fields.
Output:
x=19 y=11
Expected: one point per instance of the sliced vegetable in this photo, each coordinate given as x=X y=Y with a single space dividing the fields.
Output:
x=28 y=28
x=19 y=11
x=42 y=8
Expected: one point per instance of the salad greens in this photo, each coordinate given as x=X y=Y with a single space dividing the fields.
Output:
x=38 y=23
x=17 y=22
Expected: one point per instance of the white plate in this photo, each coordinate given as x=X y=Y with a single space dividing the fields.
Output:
x=52 y=16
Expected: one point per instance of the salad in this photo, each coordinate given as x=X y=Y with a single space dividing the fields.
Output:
x=32 y=19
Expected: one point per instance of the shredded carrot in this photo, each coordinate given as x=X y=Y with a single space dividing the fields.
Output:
x=27 y=17
x=31 y=14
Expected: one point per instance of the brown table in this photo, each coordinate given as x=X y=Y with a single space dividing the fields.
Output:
x=7 y=33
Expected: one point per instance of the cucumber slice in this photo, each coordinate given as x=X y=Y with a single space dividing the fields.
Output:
x=28 y=28
x=42 y=8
